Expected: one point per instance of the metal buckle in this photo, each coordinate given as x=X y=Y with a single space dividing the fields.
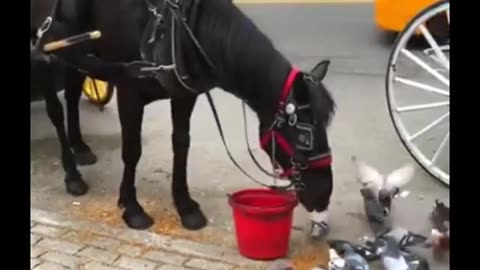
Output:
x=44 y=27
x=158 y=68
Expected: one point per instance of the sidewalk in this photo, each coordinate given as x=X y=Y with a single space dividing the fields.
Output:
x=61 y=243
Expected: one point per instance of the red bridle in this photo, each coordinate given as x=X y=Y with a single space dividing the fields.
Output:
x=319 y=162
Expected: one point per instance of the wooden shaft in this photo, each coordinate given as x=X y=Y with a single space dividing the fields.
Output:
x=59 y=44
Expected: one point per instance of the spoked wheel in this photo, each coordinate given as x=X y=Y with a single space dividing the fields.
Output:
x=418 y=89
x=98 y=92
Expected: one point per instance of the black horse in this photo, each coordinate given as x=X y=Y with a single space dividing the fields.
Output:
x=294 y=107
x=46 y=80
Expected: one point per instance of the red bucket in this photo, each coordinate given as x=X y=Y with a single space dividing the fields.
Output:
x=263 y=221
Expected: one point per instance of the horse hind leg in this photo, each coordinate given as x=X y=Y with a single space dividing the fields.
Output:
x=73 y=90
x=189 y=210
x=130 y=110
x=75 y=185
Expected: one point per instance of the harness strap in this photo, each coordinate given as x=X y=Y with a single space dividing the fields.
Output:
x=222 y=136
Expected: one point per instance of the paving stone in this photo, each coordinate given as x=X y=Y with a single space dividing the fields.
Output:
x=49 y=231
x=129 y=250
x=99 y=266
x=60 y=245
x=98 y=255
x=160 y=256
x=62 y=258
x=172 y=267
x=50 y=266
x=207 y=265
x=134 y=264
x=212 y=252
x=34 y=238
x=152 y=239
x=34 y=262
x=37 y=251
x=93 y=240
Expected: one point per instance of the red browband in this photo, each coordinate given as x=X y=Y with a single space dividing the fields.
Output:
x=281 y=141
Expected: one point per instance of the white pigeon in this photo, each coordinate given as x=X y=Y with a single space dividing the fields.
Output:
x=384 y=186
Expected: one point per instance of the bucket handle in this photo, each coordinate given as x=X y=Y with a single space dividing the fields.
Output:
x=257 y=208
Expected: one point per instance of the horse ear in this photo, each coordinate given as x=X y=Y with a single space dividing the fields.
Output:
x=320 y=70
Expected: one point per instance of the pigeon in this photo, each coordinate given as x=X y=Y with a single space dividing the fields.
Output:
x=440 y=217
x=405 y=238
x=390 y=253
x=384 y=187
x=353 y=260
x=415 y=262
x=336 y=262
x=439 y=238
x=379 y=222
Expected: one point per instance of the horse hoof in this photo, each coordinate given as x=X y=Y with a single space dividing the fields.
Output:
x=137 y=221
x=85 y=158
x=319 y=231
x=195 y=220
x=77 y=187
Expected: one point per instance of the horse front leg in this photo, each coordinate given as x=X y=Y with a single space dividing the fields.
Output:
x=130 y=109
x=73 y=179
x=73 y=90
x=189 y=210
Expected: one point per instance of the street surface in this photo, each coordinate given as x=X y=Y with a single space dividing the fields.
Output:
x=307 y=34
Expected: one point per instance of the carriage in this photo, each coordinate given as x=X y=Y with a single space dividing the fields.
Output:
x=418 y=79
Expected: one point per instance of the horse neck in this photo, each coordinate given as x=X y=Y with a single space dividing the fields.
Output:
x=260 y=87
x=247 y=64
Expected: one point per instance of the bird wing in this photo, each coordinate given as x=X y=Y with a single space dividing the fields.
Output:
x=399 y=177
x=367 y=175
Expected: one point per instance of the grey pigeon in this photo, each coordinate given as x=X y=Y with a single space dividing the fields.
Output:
x=336 y=262
x=353 y=260
x=385 y=188
x=405 y=238
x=415 y=262
x=440 y=235
x=440 y=217
x=391 y=255
x=378 y=220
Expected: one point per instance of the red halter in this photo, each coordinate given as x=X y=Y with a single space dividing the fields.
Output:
x=317 y=163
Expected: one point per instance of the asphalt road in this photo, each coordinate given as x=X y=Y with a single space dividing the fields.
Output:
x=307 y=34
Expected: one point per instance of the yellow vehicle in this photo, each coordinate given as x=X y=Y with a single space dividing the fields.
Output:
x=98 y=92
x=394 y=15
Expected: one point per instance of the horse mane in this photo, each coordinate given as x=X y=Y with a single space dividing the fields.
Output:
x=247 y=63
x=326 y=105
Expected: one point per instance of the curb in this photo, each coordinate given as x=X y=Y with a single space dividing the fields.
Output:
x=167 y=243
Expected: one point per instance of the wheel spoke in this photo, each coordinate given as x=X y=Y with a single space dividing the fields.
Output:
x=422 y=106
x=445 y=47
x=422 y=86
x=430 y=126
x=441 y=56
x=440 y=149
x=425 y=66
